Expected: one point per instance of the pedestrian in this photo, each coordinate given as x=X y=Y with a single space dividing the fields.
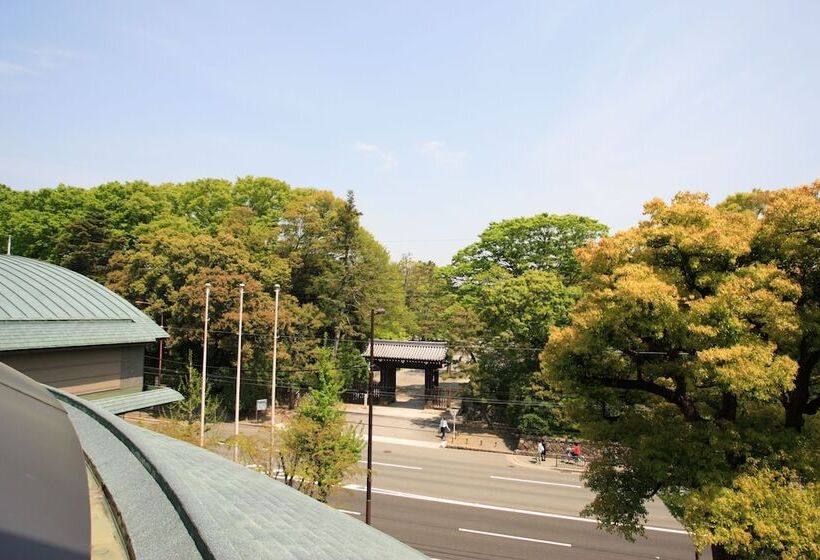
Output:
x=541 y=453
x=443 y=426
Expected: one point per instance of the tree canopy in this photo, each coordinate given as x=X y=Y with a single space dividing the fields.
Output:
x=541 y=242
x=500 y=296
x=159 y=244
x=693 y=352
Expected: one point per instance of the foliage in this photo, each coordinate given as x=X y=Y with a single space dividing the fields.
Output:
x=516 y=314
x=352 y=366
x=188 y=410
x=521 y=309
x=318 y=449
x=505 y=292
x=693 y=355
x=252 y=451
x=512 y=247
x=161 y=243
x=765 y=513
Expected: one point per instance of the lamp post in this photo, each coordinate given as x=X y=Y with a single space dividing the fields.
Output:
x=204 y=368
x=273 y=377
x=238 y=376
x=373 y=313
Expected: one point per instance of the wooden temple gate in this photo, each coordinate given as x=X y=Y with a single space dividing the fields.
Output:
x=391 y=355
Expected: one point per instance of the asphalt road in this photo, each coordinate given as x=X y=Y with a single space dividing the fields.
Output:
x=454 y=504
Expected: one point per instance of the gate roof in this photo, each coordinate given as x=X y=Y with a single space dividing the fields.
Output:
x=416 y=351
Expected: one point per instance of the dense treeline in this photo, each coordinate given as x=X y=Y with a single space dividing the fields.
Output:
x=157 y=246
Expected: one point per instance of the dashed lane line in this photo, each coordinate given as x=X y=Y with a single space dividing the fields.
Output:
x=514 y=537
x=393 y=465
x=537 y=482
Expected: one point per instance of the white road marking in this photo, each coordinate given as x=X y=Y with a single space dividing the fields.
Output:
x=513 y=537
x=397 y=494
x=537 y=482
x=392 y=465
x=350 y=512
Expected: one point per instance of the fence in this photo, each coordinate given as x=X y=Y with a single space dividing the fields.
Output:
x=439 y=397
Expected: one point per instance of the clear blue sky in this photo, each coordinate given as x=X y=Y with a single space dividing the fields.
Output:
x=441 y=116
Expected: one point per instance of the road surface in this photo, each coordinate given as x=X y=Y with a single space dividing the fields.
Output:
x=455 y=504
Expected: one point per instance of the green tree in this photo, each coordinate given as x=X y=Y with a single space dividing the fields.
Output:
x=542 y=242
x=318 y=449
x=693 y=356
x=204 y=202
x=188 y=410
x=37 y=218
x=352 y=365
x=510 y=287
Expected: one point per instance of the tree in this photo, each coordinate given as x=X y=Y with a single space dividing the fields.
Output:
x=518 y=280
x=318 y=449
x=38 y=218
x=188 y=410
x=517 y=313
x=693 y=358
x=428 y=299
x=352 y=365
x=542 y=242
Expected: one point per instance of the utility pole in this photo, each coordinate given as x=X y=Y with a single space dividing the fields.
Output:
x=8 y=246
x=238 y=376
x=204 y=368
x=373 y=313
x=273 y=377
x=161 y=347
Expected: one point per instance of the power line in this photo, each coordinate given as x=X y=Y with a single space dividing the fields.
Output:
x=261 y=383
x=458 y=344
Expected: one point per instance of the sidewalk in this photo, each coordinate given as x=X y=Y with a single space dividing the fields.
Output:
x=394 y=411
x=478 y=441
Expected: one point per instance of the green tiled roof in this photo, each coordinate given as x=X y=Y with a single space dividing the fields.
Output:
x=175 y=497
x=46 y=306
x=138 y=401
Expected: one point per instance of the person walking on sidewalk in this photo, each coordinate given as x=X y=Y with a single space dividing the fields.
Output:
x=442 y=426
x=542 y=451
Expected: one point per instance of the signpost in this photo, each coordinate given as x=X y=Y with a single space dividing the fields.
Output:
x=453 y=411
x=261 y=404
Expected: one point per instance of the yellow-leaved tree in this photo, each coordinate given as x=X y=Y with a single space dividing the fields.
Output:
x=694 y=356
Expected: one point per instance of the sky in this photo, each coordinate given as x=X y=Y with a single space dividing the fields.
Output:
x=441 y=116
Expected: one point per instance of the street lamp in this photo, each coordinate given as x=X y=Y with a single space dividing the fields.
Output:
x=373 y=313
x=204 y=368
x=238 y=375
x=273 y=377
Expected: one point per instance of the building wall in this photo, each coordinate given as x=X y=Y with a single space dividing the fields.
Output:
x=82 y=370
